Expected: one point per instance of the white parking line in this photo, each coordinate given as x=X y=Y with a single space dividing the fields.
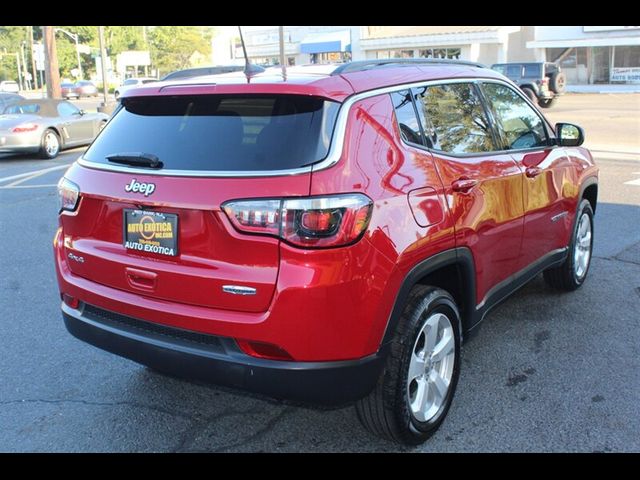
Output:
x=35 y=173
x=635 y=182
x=29 y=186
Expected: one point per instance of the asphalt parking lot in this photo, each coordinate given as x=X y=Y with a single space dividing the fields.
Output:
x=547 y=372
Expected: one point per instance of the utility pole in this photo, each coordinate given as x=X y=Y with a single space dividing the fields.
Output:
x=25 y=69
x=19 y=71
x=105 y=107
x=146 y=46
x=33 y=59
x=52 y=72
x=282 y=59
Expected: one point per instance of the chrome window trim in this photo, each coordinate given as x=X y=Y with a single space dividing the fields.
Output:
x=335 y=150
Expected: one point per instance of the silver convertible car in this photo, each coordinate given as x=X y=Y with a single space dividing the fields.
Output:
x=47 y=126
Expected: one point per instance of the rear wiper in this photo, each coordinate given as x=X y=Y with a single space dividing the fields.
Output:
x=136 y=159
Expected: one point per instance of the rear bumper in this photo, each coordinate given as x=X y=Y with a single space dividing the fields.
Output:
x=219 y=360
x=20 y=142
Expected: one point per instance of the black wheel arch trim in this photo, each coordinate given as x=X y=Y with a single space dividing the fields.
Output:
x=471 y=313
x=460 y=257
x=588 y=182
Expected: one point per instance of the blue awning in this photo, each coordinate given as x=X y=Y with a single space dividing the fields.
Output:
x=326 y=42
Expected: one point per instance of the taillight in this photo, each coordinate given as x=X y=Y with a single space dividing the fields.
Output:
x=68 y=195
x=25 y=127
x=313 y=222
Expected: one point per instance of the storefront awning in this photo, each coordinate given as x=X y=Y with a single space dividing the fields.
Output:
x=326 y=42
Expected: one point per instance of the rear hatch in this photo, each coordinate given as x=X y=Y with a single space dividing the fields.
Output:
x=160 y=232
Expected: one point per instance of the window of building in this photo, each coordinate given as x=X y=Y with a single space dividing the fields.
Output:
x=626 y=56
x=456 y=121
x=520 y=126
x=330 y=57
x=406 y=116
x=452 y=53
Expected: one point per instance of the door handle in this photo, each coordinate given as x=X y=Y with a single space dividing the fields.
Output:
x=533 y=172
x=141 y=278
x=463 y=185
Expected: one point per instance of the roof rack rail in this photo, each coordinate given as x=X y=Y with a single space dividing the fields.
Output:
x=362 y=65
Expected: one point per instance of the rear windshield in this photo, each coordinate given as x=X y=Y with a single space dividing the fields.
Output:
x=221 y=132
x=29 y=108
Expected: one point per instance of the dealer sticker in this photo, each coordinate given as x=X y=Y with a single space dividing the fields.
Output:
x=152 y=232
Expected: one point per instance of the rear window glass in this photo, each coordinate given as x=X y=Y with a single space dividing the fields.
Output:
x=32 y=108
x=221 y=132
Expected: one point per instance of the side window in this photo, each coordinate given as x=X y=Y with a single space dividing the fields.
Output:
x=521 y=126
x=406 y=115
x=455 y=120
x=532 y=70
x=500 y=69
x=66 y=109
x=514 y=70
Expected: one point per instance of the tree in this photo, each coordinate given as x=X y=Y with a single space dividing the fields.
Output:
x=11 y=39
x=172 y=46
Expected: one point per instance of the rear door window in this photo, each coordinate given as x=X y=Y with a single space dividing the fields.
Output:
x=456 y=121
x=221 y=132
x=406 y=116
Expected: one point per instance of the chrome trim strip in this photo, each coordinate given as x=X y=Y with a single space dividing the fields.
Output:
x=335 y=150
x=191 y=173
x=238 y=290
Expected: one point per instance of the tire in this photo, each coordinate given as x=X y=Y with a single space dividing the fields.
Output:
x=531 y=94
x=387 y=411
x=547 y=103
x=572 y=273
x=50 y=144
x=558 y=82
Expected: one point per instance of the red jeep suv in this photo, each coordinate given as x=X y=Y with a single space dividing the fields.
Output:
x=327 y=235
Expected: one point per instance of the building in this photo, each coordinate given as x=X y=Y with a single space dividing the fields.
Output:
x=484 y=44
x=302 y=45
x=587 y=54
x=591 y=54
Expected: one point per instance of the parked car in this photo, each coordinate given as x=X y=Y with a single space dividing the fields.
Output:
x=542 y=82
x=132 y=83
x=325 y=238
x=85 y=88
x=69 y=90
x=47 y=126
x=199 y=71
x=9 y=86
x=7 y=99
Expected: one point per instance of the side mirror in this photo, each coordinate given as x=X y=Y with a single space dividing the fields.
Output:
x=569 y=135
